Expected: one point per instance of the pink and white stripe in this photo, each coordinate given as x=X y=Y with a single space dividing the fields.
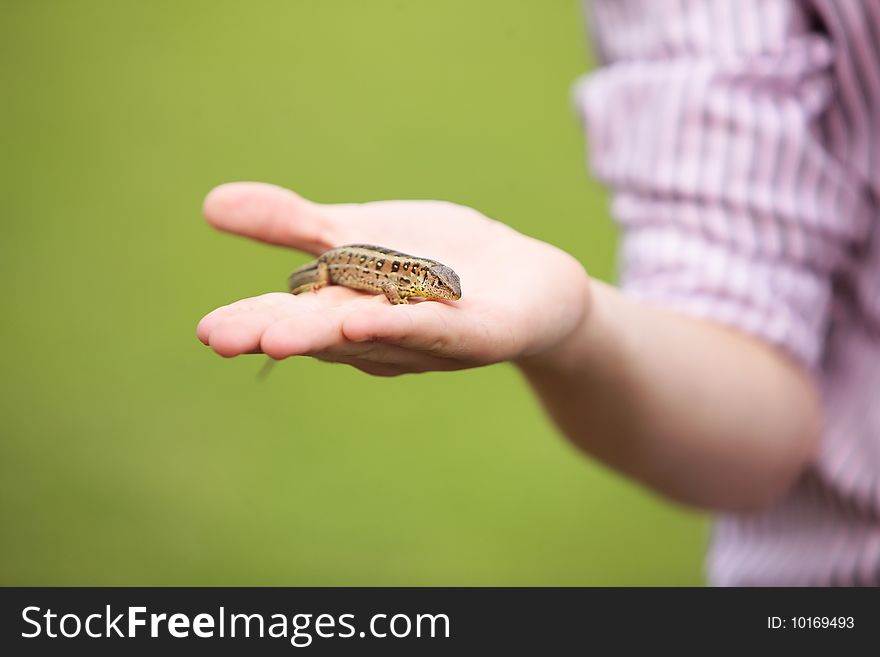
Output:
x=742 y=139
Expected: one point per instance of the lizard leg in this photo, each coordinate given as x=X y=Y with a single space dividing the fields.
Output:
x=393 y=294
x=322 y=279
x=302 y=288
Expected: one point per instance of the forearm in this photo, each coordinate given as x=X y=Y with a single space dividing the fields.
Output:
x=701 y=413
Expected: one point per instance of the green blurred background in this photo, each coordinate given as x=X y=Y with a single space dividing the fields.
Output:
x=130 y=454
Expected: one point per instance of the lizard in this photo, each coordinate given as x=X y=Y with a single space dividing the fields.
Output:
x=399 y=276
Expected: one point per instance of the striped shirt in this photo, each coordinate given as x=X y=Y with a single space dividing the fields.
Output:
x=742 y=141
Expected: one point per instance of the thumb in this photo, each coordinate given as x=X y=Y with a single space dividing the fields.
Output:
x=272 y=214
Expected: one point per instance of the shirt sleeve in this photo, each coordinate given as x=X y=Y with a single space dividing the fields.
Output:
x=706 y=119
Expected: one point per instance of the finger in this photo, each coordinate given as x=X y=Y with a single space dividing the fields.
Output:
x=317 y=330
x=269 y=213
x=428 y=327
x=313 y=323
x=302 y=333
x=378 y=369
x=369 y=367
x=240 y=334
x=386 y=357
x=437 y=329
x=213 y=319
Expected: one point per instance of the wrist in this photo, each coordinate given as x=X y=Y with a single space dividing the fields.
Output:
x=592 y=346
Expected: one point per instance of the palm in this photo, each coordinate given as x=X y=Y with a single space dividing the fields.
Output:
x=519 y=296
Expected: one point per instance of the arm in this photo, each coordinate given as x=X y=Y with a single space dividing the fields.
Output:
x=694 y=380
x=714 y=123
x=701 y=413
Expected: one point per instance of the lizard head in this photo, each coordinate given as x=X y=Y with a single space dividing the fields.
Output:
x=443 y=283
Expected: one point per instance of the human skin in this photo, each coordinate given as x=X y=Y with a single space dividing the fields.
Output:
x=700 y=413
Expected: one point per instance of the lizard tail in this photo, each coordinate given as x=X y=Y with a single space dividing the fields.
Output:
x=266 y=369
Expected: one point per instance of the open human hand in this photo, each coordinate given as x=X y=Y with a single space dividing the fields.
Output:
x=520 y=296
